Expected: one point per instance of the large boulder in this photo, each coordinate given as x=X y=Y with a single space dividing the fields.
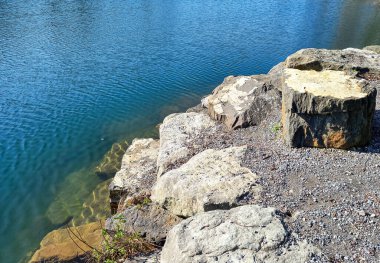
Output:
x=69 y=245
x=180 y=137
x=138 y=171
x=213 y=179
x=249 y=234
x=242 y=101
x=150 y=221
x=326 y=109
x=363 y=63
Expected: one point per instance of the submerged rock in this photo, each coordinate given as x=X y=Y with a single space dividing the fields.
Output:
x=326 y=109
x=65 y=245
x=242 y=101
x=244 y=234
x=111 y=161
x=151 y=221
x=213 y=179
x=137 y=173
x=359 y=62
x=179 y=134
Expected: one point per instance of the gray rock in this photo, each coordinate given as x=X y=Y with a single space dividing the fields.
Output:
x=276 y=74
x=244 y=234
x=326 y=109
x=358 y=62
x=213 y=179
x=151 y=258
x=178 y=132
x=374 y=48
x=242 y=101
x=137 y=173
x=151 y=221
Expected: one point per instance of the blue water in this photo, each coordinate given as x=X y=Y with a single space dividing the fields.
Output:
x=77 y=76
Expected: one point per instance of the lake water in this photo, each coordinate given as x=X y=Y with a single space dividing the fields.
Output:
x=77 y=76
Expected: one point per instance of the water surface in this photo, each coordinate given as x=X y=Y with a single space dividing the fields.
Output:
x=77 y=76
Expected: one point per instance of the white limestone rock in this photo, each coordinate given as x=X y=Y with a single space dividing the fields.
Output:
x=246 y=234
x=178 y=132
x=212 y=179
x=243 y=101
x=138 y=171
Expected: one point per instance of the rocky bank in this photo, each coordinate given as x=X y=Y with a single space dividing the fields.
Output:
x=281 y=167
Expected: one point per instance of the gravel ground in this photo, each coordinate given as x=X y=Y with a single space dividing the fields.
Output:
x=330 y=197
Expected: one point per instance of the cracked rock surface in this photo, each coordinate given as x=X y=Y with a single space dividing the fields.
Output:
x=151 y=221
x=212 y=179
x=137 y=173
x=242 y=101
x=244 y=234
x=177 y=132
x=326 y=109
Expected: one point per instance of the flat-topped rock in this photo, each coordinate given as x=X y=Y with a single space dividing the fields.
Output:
x=364 y=63
x=138 y=171
x=249 y=234
x=242 y=101
x=326 y=109
x=150 y=221
x=328 y=83
x=212 y=179
x=179 y=134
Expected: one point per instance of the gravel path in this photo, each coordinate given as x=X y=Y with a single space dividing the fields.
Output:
x=330 y=197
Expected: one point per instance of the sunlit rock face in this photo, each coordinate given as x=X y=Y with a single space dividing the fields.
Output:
x=245 y=234
x=69 y=245
x=212 y=179
x=180 y=138
x=326 y=108
x=353 y=61
x=137 y=173
x=242 y=101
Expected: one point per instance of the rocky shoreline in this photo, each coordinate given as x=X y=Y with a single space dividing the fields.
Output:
x=282 y=167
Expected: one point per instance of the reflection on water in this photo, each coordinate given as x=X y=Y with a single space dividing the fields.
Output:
x=77 y=76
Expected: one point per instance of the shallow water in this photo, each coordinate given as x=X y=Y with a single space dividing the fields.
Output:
x=77 y=76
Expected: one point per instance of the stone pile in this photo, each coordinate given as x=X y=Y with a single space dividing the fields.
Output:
x=204 y=201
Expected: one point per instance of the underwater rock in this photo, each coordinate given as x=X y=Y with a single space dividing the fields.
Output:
x=111 y=161
x=64 y=245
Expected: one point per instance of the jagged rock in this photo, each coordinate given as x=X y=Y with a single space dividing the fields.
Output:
x=111 y=161
x=359 y=62
x=326 y=109
x=63 y=246
x=242 y=101
x=151 y=221
x=374 y=48
x=213 y=179
x=137 y=173
x=243 y=234
x=179 y=134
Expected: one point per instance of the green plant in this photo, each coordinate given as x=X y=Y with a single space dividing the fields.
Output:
x=117 y=245
x=139 y=201
x=120 y=245
x=276 y=127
